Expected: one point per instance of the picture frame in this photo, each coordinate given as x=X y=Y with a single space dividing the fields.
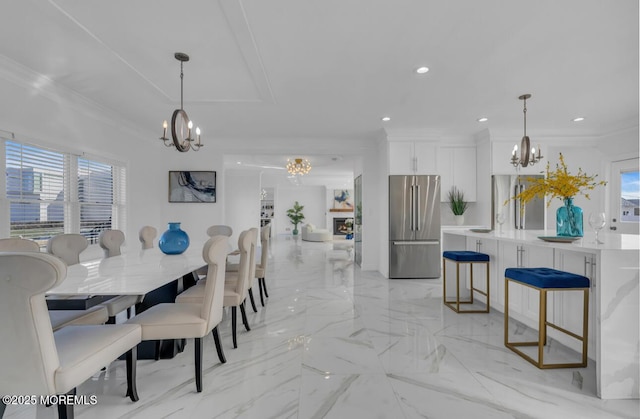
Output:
x=188 y=186
x=343 y=199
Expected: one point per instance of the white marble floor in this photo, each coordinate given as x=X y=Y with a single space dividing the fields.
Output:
x=335 y=342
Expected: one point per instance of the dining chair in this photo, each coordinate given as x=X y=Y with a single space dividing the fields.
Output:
x=219 y=230
x=58 y=318
x=67 y=247
x=235 y=288
x=111 y=241
x=214 y=230
x=146 y=235
x=192 y=320
x=36 y=360
x=261 y=268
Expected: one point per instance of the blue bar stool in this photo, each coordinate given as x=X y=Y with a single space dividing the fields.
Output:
x=545 y=280
x=469 y=258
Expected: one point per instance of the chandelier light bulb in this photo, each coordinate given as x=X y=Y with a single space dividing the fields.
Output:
x=298 y=166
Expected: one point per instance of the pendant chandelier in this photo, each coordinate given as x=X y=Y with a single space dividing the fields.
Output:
x=181 y=125
x=527 y=153
x=298 y=166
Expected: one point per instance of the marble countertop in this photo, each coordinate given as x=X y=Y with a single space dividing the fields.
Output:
x=611 y=241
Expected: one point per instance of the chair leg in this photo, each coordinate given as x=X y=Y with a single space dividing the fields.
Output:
x=253 y=302
x=111 y=320
x=158 y=349
x=233 y=326
x=244 y=317
x=132 y=357
x=3 y=407
x=216 y=339
x=128 y=312
x=261 y=286
x=65 y=411
x=198 y=357
x=264 y=286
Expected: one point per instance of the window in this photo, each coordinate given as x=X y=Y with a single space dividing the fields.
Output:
x=49 y=192
x=630 y=196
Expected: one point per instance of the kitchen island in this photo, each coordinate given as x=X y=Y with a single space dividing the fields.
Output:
x=613 y=268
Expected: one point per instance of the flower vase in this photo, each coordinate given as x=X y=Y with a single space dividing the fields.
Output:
x=459 y=219
x=569 y=220
x=173 y=241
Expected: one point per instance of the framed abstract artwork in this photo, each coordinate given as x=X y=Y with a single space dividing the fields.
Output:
x=343 y=199
x=192 y=186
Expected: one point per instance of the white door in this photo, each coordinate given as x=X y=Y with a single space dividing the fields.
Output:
x=625 y=197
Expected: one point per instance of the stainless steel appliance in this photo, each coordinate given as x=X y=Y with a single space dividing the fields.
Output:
x=414 y=226
x=504 y=188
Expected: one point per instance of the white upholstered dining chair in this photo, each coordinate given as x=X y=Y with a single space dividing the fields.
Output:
x=235 y=289
x=58 y=318
x=67 y=247
x=146 y=235
x=192 y=320
x=219 y=230
x=261 y=267
x=36 y=360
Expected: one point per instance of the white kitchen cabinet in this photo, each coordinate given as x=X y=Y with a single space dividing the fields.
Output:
x=457 y=167
x=567 y=305
x=412 y=157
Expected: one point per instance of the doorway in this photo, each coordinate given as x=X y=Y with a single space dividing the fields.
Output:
x=625 y=197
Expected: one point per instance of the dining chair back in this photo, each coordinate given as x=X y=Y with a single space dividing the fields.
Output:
x=219 y=230
x=146 y=235
x=16 y=244
x=253 y=232
x=111 y=241
x=33 y=359
x=215 y=254
x=67 y=247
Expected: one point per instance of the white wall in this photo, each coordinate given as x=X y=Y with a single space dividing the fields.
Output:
x=313 y=198
x=242 y=203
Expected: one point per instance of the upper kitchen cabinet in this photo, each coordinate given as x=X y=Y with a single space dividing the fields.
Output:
x=412 y=157
x=501 y=153
x=457 y=167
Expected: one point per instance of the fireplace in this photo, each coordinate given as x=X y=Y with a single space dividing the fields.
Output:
x=339 y=227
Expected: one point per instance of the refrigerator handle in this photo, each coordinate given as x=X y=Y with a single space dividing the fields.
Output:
x=417 y=210
x=523 y=214
x=411 y=207
x=516 y=212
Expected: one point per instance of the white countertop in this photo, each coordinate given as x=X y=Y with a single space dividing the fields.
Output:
x=611 y=241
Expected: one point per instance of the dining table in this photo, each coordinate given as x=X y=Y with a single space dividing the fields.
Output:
x=155 y=276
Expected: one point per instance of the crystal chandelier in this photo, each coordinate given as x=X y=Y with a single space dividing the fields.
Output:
x=527 y=153
x=181 y=125
x=298 y=166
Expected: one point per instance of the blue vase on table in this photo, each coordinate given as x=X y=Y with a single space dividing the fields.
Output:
x=569 y=220
x=174 y=241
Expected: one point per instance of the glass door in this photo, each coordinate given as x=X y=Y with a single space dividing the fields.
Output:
x=625 y=197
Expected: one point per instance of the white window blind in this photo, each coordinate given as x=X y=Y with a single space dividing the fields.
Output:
x=34 y=191
x=49 y=193
x=95 y=196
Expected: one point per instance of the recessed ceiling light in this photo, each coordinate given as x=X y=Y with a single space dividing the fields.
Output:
x=483 y=119
x=386 y=118
x=422 y=70
x=578 y=119
x=238 y=162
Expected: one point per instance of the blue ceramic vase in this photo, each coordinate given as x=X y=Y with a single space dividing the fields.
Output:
x=569 y=220
x=173 y=241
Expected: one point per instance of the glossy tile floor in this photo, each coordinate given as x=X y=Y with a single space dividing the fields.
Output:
x=335 y=342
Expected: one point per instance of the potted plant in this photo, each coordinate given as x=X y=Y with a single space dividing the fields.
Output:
x=296 y=216
x=457 y=204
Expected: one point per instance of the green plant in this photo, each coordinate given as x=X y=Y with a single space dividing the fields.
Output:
x=456 y=201
x=295 y=215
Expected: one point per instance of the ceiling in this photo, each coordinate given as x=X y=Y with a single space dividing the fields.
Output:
x=292 y=69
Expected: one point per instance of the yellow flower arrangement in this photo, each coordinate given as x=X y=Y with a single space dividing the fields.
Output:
x=560 y=184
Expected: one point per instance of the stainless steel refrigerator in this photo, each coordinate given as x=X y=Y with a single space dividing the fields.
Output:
x=504 y=188
x=414 y=226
